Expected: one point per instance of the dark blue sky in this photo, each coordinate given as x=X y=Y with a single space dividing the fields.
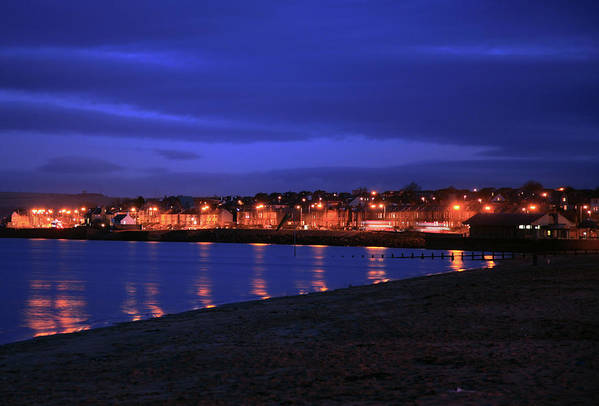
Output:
x=146 y=97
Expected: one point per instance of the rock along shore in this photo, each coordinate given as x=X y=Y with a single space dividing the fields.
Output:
x=515 y=334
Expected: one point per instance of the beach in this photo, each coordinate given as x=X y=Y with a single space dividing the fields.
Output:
x=513 y=334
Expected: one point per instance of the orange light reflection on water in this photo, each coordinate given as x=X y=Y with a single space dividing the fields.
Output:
x=259 y=286
x=151 y=302
x=457 y=264
x=204 y=291
x=319 y=283
x=56 y=307
x=202 y=286
x=130 y=305
x=377 y=268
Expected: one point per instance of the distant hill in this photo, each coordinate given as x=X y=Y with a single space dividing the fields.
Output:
x=9 y=201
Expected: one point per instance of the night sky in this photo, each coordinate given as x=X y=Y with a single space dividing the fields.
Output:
x=197 y=97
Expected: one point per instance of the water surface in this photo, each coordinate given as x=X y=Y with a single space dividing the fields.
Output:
x=60 y=286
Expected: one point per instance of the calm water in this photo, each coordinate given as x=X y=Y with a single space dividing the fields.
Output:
x=58 y=286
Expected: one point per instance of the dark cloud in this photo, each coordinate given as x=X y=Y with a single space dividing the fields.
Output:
x=520 y=78
x=75 y=165
x=177 y=155
x=466 y=174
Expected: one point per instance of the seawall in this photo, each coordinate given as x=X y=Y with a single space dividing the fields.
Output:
x=315 y=237
x=302 y=237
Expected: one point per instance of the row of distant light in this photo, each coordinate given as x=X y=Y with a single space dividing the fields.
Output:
x=49 y=211
x=133 y=209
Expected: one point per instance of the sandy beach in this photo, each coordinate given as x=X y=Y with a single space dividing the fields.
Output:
x=514 y=334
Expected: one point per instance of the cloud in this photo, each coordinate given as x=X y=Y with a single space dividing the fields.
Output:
x=521 y=51
x=80 y=114
x=508 y=77
x=75 y=165
x=430 y=175
x=119 y=55
x=177 y=155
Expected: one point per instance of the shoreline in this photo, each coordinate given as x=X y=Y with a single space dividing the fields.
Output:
x=497 y=262
x=512 y=334
x=406 y=239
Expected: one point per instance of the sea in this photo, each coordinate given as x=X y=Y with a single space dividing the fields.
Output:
x=61 y=286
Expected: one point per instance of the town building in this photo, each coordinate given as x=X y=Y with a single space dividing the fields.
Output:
x=521 y=225
x=124 y=221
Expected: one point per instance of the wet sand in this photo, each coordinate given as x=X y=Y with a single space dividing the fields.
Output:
x=515 y=334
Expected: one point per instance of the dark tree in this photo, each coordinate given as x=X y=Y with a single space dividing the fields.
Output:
x=412 y=187
x=261 y=197
x=532 y=186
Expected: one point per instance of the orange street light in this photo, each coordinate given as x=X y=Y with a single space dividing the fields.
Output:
x=457 y=207
x=260 y=206
x=488 y=208
x=532 y=207
x=373 y=206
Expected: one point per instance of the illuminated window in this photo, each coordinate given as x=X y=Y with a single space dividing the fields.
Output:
x=521 y=226
x=528 y=226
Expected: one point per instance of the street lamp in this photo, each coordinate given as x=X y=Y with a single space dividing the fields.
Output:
x=301 y=209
